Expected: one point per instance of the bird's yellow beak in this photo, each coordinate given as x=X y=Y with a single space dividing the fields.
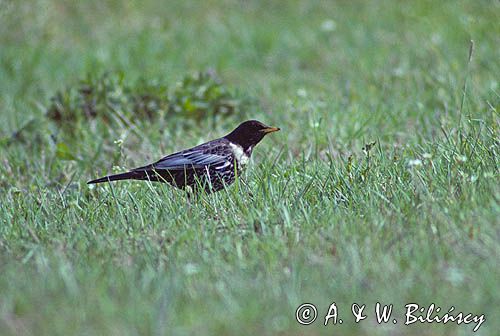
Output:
x=270 y=130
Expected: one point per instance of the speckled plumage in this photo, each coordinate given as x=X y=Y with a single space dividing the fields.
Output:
x=211 y=166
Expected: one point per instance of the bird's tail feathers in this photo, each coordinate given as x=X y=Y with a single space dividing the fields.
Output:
x=131 y=175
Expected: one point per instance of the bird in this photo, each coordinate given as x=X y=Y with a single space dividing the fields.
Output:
x=211 y=166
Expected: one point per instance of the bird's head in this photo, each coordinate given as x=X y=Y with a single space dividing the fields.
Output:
x=250 y=133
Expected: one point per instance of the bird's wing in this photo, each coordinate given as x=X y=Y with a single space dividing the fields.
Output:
x=197 y=157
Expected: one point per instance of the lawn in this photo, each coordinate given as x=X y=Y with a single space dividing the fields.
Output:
x=382 y=185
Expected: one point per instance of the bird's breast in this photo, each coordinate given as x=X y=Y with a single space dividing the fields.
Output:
x=241 y=157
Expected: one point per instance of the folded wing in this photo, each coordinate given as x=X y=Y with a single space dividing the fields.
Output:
x=195 y=158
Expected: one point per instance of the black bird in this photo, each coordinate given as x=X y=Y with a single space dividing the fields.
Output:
x=211 y=166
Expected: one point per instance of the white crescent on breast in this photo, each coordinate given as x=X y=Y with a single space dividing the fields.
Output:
x=241 y=157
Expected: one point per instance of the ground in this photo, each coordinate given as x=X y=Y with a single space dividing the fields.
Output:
x=382 y=186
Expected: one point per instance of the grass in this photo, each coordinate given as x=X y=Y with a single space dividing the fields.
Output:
x=413 y=218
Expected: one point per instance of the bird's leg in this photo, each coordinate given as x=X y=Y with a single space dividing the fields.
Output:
x=246 y=185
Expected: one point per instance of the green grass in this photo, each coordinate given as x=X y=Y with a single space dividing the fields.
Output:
x=414 y=219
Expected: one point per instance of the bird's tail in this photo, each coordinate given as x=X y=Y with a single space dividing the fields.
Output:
x=131 y=175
